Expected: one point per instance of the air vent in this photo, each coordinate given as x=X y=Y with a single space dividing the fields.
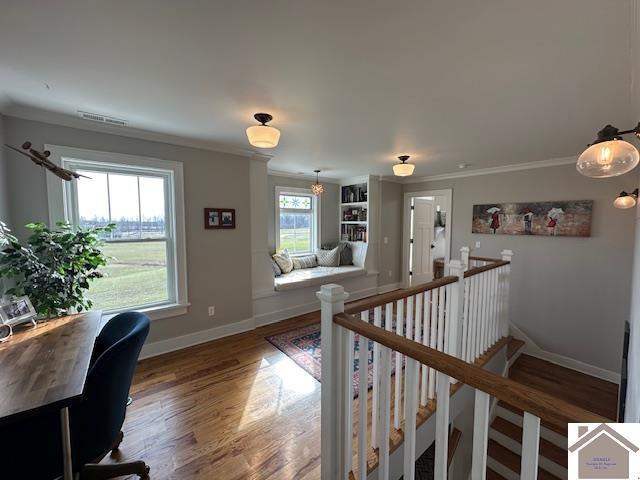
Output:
x=96 y=117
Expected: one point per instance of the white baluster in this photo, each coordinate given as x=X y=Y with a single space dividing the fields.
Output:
x=496 y=305
x=483 y=318
x=375 y=400
x=442 y=427
x=507 y=255
x=408 y=334
x=456 y=305
x=385 y=411
x=417 y=337
x=433 y=339
x=480 y=435
x=348 y=400
x=332 y=298
x=411 y=410
x=425 y=341
x=491 y=312
x=398 y=382
x=530 y=447
x=466 y=319
x=363 y=379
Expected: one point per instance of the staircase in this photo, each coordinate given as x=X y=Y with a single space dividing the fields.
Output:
x=505 y=447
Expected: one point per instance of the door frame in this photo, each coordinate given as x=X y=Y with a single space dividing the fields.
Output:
x=406 y=227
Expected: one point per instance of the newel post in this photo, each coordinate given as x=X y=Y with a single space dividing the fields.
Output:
x=456 y=269
x=507 y=256
x=464 y=257
x=332 y=423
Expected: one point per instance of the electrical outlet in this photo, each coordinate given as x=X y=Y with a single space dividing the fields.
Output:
x=386 y=240
x=390 y=274
x=478 y=244
x=212 y=311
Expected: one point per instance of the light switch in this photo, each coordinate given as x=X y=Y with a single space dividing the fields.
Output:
x=478 y=244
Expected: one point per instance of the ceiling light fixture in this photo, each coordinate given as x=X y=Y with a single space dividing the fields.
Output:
x=403 y=169
x=317 y=188
x=626 y=200
x=263 y=136
x=609 y=155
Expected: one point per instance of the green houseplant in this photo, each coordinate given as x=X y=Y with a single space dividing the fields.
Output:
x=54 y=267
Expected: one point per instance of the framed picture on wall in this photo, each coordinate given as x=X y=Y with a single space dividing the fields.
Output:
x=219 y=218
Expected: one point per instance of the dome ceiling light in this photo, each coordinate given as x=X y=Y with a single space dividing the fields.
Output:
x=403 y=169
x=263 y=135
x=609 y=155
x=317 y=188
x=626 y=200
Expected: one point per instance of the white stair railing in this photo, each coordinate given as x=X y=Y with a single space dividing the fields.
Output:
x=462 y=315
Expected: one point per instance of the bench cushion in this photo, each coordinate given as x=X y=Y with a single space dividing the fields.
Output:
x=316 y=276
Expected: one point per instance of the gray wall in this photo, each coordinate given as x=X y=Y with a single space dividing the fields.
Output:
x=391 y=229
x=4 y=176
x=218 y=262
x=570 y=295
x=329 y=202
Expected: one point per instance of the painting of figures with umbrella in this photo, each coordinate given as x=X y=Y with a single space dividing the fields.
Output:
x=558 y=219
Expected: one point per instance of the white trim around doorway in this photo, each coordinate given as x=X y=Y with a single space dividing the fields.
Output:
x=406 y=227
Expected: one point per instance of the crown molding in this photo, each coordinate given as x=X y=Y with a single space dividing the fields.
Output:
x=552 y=162
x=65 y=120
x=301 y=176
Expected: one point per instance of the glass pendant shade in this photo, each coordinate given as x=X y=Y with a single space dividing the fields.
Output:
x=403 y=169
x=608 y=159
x=317 y=189
x=624 y=201
x=263 y=136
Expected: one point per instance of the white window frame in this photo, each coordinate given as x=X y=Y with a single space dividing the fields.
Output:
x=62 y=200
x=315 y=224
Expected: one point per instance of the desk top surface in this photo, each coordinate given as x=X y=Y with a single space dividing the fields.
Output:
x=46 y=366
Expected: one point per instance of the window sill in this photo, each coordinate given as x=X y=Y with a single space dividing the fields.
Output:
x=159 y=312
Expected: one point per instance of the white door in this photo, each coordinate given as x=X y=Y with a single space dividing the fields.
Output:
x=422 y=238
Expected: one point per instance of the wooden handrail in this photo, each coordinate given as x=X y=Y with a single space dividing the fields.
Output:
x=383 y=299
x=485 y=259
x=491 y=266
x=553 y=410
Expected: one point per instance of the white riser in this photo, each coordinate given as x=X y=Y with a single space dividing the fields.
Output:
x=550 y=435
x=516 y=447
x=501 y=469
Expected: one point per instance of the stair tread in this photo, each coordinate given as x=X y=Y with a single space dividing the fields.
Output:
x=519 y=411
x=547 y=449
x=511 y=460
x=513 y=346
x=492 y=475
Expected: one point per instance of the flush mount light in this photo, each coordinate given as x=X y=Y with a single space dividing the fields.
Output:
x=609 y=155
x=626 y=200
x=403 y=169
x=317 y=188
x=263 y=136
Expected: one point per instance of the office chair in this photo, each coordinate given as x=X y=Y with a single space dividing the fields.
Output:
x=32 y=447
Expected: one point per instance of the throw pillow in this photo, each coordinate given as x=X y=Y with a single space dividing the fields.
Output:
x=276 y=269
x=346 y=255
x=284 y=261
x=305 y=261
x=329 y=258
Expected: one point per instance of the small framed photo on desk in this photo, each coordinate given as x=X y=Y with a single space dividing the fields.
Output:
x=17 y=310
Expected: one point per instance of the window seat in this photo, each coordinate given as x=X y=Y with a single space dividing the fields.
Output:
x=307 y=277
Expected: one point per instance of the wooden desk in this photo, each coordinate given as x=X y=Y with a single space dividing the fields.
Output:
x=44 y=368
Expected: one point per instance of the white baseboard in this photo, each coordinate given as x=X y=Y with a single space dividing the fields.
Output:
x=177 y=343
x=531 y=348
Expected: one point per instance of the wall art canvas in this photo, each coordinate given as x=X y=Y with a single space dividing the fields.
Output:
x=559 y=219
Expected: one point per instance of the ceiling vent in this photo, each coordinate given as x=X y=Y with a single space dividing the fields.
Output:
x=96 y=117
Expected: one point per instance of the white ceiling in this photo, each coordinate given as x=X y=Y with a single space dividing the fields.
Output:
x=351 y=84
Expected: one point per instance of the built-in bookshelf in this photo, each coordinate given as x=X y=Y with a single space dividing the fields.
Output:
x=354 y=210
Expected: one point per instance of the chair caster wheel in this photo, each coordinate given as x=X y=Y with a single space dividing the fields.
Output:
x=145 y=475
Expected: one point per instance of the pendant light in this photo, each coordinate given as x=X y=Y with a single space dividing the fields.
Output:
x=403 y=169
x=609 y=155
x=263 y=135
x=317 y=188
x=626 y=200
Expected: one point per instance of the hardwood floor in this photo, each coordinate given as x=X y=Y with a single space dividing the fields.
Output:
x=235 y=408
x=590 y=393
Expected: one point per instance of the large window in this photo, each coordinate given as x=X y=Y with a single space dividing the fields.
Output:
x=296 y=220
x=145 y=269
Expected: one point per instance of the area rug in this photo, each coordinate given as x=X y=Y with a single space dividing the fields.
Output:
x=302 y=345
